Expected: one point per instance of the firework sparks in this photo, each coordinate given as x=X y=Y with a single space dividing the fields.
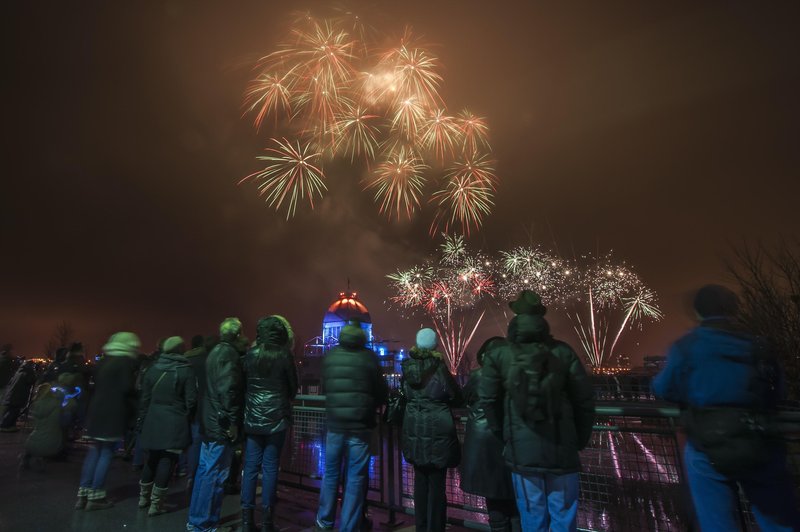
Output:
x=291 y=175
x=344 y=97
x=398 y=182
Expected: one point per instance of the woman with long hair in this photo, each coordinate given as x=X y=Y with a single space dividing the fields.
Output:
x=270 y=385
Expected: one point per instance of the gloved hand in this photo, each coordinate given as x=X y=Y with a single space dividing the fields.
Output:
x=233 y=432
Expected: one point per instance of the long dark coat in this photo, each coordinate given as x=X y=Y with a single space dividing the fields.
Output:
x=113 y=407
x=483 y=469
x=429 y=433
x=169 y=397
x=19 y=388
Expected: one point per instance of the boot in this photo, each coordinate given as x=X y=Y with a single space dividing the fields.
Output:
x=248 y=521
x=83 y=496
x=98 y=501
x=267 y=524
x=145 y=489
x=158 y=501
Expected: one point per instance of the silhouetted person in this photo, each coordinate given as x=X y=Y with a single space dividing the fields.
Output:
x=7 y=367
x=429 y=440
x=727 y=383
x=18 y=393
x=169 y=397
x=535 y=389
x=271 y=384
x=112 y=411
x=196 y=356
x=221 y=416
x=483 y=469
x=354 y=388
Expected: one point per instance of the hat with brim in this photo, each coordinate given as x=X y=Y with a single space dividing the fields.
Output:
x=528 y=302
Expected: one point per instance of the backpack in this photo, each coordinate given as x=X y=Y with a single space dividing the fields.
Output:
x=534 y=383
x=739 y=440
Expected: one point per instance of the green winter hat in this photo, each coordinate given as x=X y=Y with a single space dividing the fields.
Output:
x=174 y=344
x=528 y=302
x=230 y=328
x=122 y=344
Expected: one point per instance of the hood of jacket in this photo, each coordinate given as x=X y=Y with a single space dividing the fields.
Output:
x=271 y=332
x=352 y=337
x=420 y=367
x=528 y=328
x=170 y=361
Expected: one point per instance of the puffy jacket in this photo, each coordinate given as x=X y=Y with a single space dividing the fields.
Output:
x=222 y=404
x=270 y=380
x=429 y=432
x=169 y=398
x=47 y=438
x=484 y=471
x=551 y=446
x=354 y=385
x=714 y=366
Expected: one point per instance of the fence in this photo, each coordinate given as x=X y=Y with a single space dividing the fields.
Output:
x=632 y=476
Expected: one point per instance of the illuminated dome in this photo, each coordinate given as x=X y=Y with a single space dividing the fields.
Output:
x=347 y=307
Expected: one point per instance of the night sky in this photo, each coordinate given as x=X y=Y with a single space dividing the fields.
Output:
x=665 y=132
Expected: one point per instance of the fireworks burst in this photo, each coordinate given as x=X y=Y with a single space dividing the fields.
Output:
x=532 y=268
x=605 y=288
x=449 y=291
x=290 y=176
x=342 y=96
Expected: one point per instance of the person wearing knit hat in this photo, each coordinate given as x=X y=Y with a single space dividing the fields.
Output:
x=110 y=414
x=426 y=339
x=167 y=405
x=429 y=441
x=220 y=421
x=721 y=375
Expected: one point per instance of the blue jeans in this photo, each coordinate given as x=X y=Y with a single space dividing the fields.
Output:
x=770 y=491
x=261 y=452
x=208 y=491
x=193 y=452
x=546 y=501
x=96 y=464
x=352 y=448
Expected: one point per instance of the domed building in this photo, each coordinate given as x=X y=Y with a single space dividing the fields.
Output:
x=347 y=307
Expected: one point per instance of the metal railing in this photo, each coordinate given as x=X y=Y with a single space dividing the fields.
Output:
x=632 y=474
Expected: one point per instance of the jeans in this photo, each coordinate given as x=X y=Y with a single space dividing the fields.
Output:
x=261 y=452
x=158 y=468
x=208 y=491
x=352 y=448
x=96 y=464
x=770 y=491
x=547 y=501
x=430 y=499
x=193 y=453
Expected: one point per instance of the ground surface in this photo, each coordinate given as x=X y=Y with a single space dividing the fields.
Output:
x=43 y=500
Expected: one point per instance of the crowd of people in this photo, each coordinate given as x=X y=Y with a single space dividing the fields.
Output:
x=530 y=408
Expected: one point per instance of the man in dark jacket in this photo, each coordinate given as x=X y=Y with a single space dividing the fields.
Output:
x=354 y=389
x=220 y=418
x=535 y=389
x=713 y=371
x=18 y=393
x=196 y=356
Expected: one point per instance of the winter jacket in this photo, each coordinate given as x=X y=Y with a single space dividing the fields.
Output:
x=429 y=433
x=483 y=469
x=354 y=385
x=169 y=397
x=19 y=388
x=552 y=445
x=112 y=410
x=713 y=365
x=197 y=358
x=7 y=365
x=47 y=437
x=270 y=381
x=221 y=413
